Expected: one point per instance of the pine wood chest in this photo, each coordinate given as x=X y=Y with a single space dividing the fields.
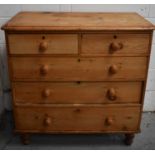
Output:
x=78 y=72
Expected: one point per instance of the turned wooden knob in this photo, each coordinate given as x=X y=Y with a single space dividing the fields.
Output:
x=47 y=121
x=113 y=69
x=109 y=121
x=115 y=46
x=44 y=69
x=43 y=46
x=46 y=93
x=111 y=94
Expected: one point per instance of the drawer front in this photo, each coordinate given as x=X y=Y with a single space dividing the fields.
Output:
x=76 y=119
x=43 y=43
x=83 y=69
x=80 y=93
x=119 y=44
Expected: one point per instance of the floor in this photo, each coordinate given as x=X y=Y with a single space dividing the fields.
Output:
x=144 y=140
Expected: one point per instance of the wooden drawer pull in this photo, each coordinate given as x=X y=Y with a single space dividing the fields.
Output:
x=115 y=46
x=47 y=121
x=44 y=69
x=113 y=69
x=43 y=46
x=46 y=93
x=109 y=121
x=111 y=94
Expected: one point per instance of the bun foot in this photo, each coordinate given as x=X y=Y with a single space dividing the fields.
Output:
x=25 y=139
x=129 y=139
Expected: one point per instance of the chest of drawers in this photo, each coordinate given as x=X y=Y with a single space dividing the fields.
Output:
x=78 y=72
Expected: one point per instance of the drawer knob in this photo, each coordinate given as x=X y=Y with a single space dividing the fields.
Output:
x=109 y=121
x=46 y=93
x=113 y=69
x=111 y=94
x=47 y=121
x=44 y=69
x=43 y=46
x=115 y=46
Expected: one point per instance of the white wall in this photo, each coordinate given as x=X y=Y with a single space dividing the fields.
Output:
x=147 y=11
x=1 y=91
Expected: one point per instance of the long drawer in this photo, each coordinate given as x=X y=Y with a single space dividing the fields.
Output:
x=43 y=44
x=76 y=93
x=78 y=69
x=77 y=119
x=115 y=44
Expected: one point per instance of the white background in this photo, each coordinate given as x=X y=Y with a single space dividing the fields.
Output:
x=8 y=10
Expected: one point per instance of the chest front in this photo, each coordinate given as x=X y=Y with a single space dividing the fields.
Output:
x=78 y=76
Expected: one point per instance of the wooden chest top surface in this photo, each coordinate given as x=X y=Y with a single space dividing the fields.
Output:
x=77 y=21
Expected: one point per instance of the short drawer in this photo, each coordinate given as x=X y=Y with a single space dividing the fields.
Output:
x=78 y=69
x=115 y=44
x=43 y=43
x=77 y=119
x=77 y=93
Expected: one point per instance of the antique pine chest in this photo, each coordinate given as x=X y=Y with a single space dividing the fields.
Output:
x=78 y=72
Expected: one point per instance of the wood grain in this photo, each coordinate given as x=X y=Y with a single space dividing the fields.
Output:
x=30 y=43
x=75 y=93
x=99 y=44
x=41 y=21
x=78 y=69
x=77 y=119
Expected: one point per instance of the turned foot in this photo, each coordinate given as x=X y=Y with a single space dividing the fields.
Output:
x=25 y=139
x=128 y=139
